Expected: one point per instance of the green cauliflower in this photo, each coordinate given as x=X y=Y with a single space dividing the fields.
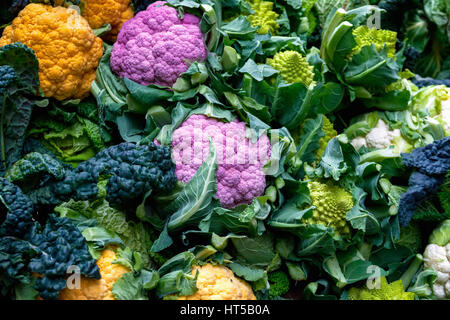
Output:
x=330 y=133
x=331 y=205
x=263 y=17
x=293 y=67
x=365 y=36
x=387 y=291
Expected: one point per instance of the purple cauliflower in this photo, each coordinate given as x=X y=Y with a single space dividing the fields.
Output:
x=239 y=175
x=156 y=46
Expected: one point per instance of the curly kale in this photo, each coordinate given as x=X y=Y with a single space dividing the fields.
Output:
x=131 y=171
x=17 y=218
x=431 y=163
x=29 y=250
x=432 y=160
x=61 y=245
x=411 y=55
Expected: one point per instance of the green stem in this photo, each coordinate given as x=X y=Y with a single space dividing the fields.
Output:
x=411 y=271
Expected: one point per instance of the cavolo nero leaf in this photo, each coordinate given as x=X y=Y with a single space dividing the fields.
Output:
x=19 y=71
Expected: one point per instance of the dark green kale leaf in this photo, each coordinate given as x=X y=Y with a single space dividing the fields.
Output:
x=432 y=164
x=28 y=249
x=18 y=85
x=17 y=219
x=130 y=170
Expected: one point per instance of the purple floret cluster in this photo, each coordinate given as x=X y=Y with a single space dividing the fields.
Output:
x=156 y=46
x=240 y=161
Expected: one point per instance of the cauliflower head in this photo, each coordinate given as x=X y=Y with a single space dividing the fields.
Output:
x=219 y=283
x=92 y=289
x=156 y=46
x=293 y=67
x=240 y=161
x=438 y=258
x=332 y=204
x=65 y=45
x=379 y=137
x=114 y=12
x=264 y=17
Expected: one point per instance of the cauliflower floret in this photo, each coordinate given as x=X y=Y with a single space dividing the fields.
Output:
x=65 y=45
x=359 y=142
x=239 y=175
x=219 y=283
x=379 y=137
x=438 y=258
x=101 y=12
x=156 y=46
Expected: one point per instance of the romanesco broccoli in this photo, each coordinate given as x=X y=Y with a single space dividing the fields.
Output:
x=365 y=36
x=264 y=17
x=332 y=204
x=330 y=133
x=387 y=291
x=293 y=67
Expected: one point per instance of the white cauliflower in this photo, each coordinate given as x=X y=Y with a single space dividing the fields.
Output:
x=379 y=137
x=438 y=258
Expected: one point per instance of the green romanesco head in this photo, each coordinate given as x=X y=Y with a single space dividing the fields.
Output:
x=330 y=133
x=332 y=204
x=365 y=36
x=264 y=17
x=293 y=67
x=392 y=291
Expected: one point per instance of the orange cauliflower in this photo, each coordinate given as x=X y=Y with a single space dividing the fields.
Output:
x=219 y=283
x=114 y=12
x=92 y=289
x=65 y=45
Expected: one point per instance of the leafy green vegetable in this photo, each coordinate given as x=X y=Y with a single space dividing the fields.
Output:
x=19 y=82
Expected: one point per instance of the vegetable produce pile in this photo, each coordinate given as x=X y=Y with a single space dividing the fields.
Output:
x=225 y=150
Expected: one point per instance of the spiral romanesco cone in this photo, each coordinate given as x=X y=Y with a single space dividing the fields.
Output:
x=293 y=67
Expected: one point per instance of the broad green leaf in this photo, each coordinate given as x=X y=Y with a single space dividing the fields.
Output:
x=195 y=200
